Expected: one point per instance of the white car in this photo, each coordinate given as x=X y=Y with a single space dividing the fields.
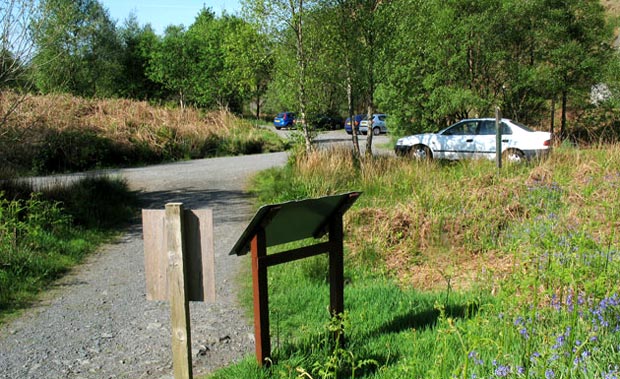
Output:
x=378 y=124
x=475 y=138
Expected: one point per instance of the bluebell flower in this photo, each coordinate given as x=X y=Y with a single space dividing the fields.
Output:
x=473 y=355
x=502 y=371
x=549 y=374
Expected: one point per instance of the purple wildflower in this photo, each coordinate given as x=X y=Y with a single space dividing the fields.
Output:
x=502 y=371
x=473 y=355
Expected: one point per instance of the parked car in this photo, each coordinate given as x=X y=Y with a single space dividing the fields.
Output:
x=378 y=124
x=284 y=120
x=475 y=138
x=324 y=121
x=357 y=119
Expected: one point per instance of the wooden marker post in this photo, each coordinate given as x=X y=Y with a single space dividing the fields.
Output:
x=177 y=285
x=179 y=267
x=498 y=139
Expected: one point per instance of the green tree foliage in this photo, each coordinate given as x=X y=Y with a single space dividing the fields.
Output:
x=205 y=37
x=78 y=49
x=204 y=66
x=248 y=61
x=171 y=63
x=426 y=63
x=459 y=58
x=137 y=43
x=288 y=19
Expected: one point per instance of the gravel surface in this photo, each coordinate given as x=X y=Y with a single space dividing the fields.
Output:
x=97 y=323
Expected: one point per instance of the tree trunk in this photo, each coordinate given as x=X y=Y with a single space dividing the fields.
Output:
x=257 y=102
x=356 y=145
x=552 y=126
x=301 y=61
x=563 y=125
x=371 y=98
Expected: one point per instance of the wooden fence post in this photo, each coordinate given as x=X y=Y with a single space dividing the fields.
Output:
x=498 y=139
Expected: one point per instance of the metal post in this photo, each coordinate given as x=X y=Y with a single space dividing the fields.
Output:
x=261 y=298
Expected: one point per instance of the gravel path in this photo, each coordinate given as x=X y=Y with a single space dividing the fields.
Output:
x=96 y=322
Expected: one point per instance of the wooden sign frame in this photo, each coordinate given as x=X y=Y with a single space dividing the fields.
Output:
x=286 y=223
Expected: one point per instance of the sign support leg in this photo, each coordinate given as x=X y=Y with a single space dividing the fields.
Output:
x=261 y=298
x=336 y=274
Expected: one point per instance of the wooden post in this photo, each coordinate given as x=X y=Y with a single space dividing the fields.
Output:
x=498 y=139
x=261 y=298
x=179 y=303
x=336 y=273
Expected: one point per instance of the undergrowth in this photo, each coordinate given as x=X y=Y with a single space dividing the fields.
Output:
x=454 y=270
x=45 y=233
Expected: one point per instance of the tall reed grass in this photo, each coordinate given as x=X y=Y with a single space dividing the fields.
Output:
x=57 y=133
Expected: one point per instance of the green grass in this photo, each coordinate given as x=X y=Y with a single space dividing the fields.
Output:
x=43 y=234
x=454 y=270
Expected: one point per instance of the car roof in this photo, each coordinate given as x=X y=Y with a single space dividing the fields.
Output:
x=485 y=119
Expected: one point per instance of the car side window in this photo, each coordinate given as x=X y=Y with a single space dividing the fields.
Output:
x=462 y=129
x=506 y=129
x=486 y=128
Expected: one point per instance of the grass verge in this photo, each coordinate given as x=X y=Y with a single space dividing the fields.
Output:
x=43 y=234
x=454 y=270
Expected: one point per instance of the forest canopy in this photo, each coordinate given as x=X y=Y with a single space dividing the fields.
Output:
x=426 y=63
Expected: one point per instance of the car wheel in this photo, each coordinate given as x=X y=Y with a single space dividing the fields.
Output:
x=421 y=153
x=513 y=156
x=376 y=131
x=277 y=128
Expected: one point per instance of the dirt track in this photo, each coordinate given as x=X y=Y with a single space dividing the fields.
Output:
x=96 y=323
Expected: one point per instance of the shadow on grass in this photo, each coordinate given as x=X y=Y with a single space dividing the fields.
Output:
x=425 y=319
x=359 y=356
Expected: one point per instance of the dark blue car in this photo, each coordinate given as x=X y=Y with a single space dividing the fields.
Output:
x=356 y=121
x=284 y=120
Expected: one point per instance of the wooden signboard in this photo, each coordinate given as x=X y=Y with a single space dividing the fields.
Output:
x=199 y=254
